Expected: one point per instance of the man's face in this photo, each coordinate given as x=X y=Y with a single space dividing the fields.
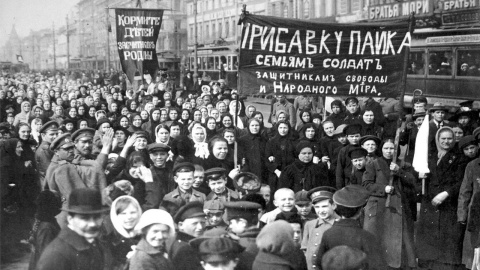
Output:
x=304 y=209
x=86 y=225
x=352 y=107
x=193 y=226
x=470 y=151
x=324 y=209
x=417 y=106
x=217 y=186
x=49 y=135
x=353 y=139
x=439 y=115
x=419 y=121
x=67 y=154
x=184 y=180
x=214 y=218
x=359 y=163
x=159 y=158
x=84 y=146
x=198 y=177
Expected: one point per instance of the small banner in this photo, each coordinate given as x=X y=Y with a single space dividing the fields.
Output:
x=137 y=34
x=19 y=58
x=298 y=57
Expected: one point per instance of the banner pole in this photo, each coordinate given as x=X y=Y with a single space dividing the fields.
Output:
x=411 y=25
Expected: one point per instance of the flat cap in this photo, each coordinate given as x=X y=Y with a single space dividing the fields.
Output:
x=83 y=133
x=102 y=121
x=141 y=134
x=466 y=141
x=301 y=197
x=215 y=173
x=344 y=257
x=50 y=125
x=154 y=147
x=351 y=196
x=242 y=209
x=213 y=206
x=183 y=167
x=321 y=193
x=208 y=234
x=62 y=141
x=219 y=250
x=357 y=152
x=365 y=138
x=352 y=129
x=189 y=210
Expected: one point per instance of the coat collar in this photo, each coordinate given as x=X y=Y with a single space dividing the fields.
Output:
x=176 y=193
x=147 y=248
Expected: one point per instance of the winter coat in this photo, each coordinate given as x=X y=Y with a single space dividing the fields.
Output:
x=147 y=257
x=392 y=226
x=282 y=148
x=304 y=176
x=252 y=148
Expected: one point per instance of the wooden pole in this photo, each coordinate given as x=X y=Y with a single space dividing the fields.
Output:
x=411 y=25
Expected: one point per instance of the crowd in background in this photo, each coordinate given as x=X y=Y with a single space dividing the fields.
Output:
x=199 y=154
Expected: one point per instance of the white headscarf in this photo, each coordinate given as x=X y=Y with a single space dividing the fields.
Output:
x=114 y=216
x=201 y=148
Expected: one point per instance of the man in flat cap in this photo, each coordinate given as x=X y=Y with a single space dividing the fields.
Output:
x=184 y=193
x=321 y=198
x=214 y=210
x=347 y=230
x=161 y=173
x=216 y=178
x=344 y=164
x=243 y=219
x=77 y=245
x=344 y=257
x=44 y=155
x=63 y=176
x=219 y=253
x=191 y=223
x=83 y=139
x=358 y=156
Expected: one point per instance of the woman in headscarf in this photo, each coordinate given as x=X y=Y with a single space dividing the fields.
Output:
x=369 y=126
x=90 y=116
x=309 y=133
x=82 y=111
x=120 y=234
x=338 y=113
x=198 y=135
x=305 y=118
x=227 y=122
x=392 y=226
x=185 y=118
x=252 y=149
x=72 y=115
x=36 y=125
x=235 y=114
x=303 y=174
x=25 y=115
x=151 y=252
x=439 y=237
x=211 y=127
x=152 y=123
x=132 y=105
x=136 y=123
x=279 y=153
x=58 y=116
x=123 y=122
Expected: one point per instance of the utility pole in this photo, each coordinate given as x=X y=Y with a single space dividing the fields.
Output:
x=68 y=46
x=195 y=67
x=54 y=57
x=108 y=41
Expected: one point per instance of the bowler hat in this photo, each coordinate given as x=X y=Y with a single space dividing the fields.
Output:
x=419 y=113
x=85 y=201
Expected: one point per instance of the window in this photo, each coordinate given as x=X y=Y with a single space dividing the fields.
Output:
x=227 y=28
x=355 y=6
x=207 y=31
x=220 y=30
x=440 y=62
x=416 y=63
x=468 y=61
x=210 y=62
x=342 y=7
x=214 y=33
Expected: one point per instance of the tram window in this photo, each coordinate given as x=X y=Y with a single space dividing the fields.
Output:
x=192 y=63
x=210 y=63
x=440 y=63
x=235 y=62
x=468 y=62
x=217 y=63
x=416 y=64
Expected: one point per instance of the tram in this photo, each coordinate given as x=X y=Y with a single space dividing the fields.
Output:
x=214 y=63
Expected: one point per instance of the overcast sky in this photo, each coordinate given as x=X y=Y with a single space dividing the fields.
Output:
x=31 y=15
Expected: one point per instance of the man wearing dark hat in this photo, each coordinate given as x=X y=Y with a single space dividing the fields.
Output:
x=469 y=146
x=344 y=257
x=321 y=198
x=64 y=177
x=216 y=178
x=191 y=223
x=344 y=164
x=358 y=156
x=409 y=134
x=83 y=139
x=438 y=112
x=214 y=210
x=161 y=174
x=347 y=230
x=353 y=111
x=184 y=193
x=243 y=219
x=77 y=245
x=44 y=155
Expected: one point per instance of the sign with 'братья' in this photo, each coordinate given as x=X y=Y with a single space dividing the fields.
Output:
x=302 y=57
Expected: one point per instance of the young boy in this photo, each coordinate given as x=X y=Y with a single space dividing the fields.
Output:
x=304 y=206
x=321 y=198
x=266 y=192
x=219 y=253
x=344 y=164
x=353 y=111
x=347 y=230
x=284 y=200
x=198 y=180
x=359 y=159
x=216 y=179
x=214 y=210
x=184 y=193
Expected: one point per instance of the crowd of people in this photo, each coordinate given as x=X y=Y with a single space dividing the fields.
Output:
x=100 y=175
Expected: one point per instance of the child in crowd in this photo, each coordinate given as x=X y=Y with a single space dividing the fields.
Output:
x=198 y=180
x=214 y=210
x=216 y=179
x=284 y=200
x=184 y=193
x=304 y=206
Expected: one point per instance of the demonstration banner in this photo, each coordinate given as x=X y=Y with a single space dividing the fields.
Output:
x=297 y=57
x=137 y=34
